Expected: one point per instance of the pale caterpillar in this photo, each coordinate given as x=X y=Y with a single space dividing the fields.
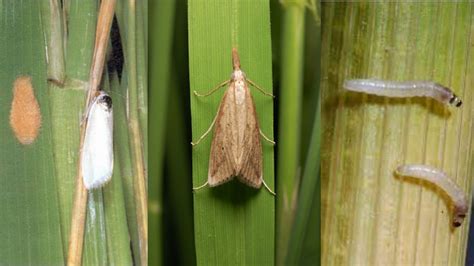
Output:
x=444 y=182
x=404 y=89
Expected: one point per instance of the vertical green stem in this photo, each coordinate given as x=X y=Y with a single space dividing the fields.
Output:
x=289 y=118
x=306 y=197
x=82 y=16
x=136 y=136
x=142 y=73
x=53 y=31
x=160 y=65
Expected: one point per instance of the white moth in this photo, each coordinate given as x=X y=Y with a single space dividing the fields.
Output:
x=404 y=89
x=97 y=153
x=444 y=182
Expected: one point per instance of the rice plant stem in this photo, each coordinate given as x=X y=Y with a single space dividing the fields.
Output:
x=140 y=189
x=289 y=128
x=53 y=22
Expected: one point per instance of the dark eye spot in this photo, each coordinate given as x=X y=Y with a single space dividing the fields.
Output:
x=451 y=100
x=107 y=100
x=454 y=100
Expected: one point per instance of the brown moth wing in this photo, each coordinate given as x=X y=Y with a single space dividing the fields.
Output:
x=222 y=165
x=250 y=171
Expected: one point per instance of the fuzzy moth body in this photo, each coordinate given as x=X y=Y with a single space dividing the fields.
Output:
x=97 y=153
x=444 y=182
x=404 y=89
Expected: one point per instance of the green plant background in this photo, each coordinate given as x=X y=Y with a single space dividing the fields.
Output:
x=191 y=50
x=37 y=181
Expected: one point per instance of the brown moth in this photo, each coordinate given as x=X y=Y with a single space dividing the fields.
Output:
x=236 y=150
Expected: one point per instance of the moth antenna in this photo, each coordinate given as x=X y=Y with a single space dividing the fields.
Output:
x=201 y=186
x=260 y=89
x=213 y=90
x=266 y=138
x=235 y=59
x=266 y=186
x=205 y=133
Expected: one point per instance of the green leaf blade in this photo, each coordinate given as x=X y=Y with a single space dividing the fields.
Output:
x=234 y=224
x=30 y=223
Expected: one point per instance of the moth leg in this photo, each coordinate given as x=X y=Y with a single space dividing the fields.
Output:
x=266 y=186
x=201 y=186
x=213 y=90
x=205 y=133
x=260 y=89
x=266 y=138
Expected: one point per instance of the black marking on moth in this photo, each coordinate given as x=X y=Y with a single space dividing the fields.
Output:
x=107 y=100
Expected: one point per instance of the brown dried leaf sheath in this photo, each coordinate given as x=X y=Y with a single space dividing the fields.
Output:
x=236 y=149
x=25 y=114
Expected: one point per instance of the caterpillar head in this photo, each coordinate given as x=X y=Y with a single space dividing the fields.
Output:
x=455 y=100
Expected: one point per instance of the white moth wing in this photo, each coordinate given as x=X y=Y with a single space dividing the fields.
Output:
x=97 y=152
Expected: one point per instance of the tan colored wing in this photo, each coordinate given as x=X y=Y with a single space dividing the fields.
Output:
x=222 y=165
x=250 y=170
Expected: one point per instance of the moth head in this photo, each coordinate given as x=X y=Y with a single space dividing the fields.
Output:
x=235 y=59
x=104 y=100
x=455 y=100
x=458 y=219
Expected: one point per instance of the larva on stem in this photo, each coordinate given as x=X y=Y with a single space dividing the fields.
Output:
x=404 y=89
x=444 y=182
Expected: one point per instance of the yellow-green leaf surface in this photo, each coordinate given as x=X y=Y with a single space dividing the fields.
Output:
x=29 y=221
x=370 y=217
x=234 y=224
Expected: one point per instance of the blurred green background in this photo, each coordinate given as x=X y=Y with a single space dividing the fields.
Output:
x=205 y=31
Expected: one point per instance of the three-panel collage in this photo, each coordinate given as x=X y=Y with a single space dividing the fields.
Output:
x=236 y=132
